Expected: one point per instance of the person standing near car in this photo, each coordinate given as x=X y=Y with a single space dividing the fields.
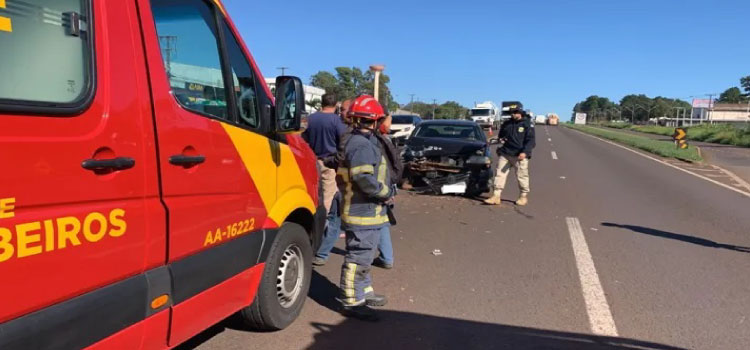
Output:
x=323 y=134
x=333 y=227
x=519 y=140
x=396 y=169
x=365 y=185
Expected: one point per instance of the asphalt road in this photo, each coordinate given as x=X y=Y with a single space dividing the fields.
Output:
x=614 y=251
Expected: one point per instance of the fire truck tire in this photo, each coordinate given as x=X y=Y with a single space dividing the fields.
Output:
x=285 y=282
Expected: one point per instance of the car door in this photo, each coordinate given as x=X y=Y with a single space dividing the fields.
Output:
x=208 y=109
x=80 y=216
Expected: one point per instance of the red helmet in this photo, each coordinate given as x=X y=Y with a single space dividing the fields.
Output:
x=366 y=107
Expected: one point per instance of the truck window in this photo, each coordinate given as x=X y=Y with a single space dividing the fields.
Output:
x=243 y=81
x=190 y=50
x=46 y=52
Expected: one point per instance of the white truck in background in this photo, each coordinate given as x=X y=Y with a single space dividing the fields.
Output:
x=540 y=119
x=553 y=119
x=486 y=114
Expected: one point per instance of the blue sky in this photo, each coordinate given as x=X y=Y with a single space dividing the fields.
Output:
x=547 y=54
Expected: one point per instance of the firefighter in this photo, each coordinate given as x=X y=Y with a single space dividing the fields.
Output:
x=364 y=182
x=519 y=140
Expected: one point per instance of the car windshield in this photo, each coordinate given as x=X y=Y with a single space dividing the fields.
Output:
x=403 y=119
x=480 y=112
x=464 y=132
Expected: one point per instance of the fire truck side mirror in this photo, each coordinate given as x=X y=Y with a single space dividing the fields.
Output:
x=290 y=104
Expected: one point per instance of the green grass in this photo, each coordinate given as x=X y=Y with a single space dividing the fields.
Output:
x=723 y=134
x=661 y=148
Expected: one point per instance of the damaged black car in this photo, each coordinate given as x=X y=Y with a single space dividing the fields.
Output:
x=448 y=156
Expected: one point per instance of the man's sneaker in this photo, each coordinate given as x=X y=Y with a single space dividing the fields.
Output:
x=318 y=261
x=376 y=300
x=382 y=264
x=360 y=312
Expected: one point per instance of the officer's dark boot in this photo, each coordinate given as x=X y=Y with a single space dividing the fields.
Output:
x=376 y=300
x=360 y=312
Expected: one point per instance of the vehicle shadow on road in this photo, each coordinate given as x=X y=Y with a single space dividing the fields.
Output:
x=680 y=237
x=406 y=330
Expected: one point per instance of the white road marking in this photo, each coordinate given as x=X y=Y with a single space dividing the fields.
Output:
x=550 y=140
x=747 y=194
x=734 y=177
x=600 y=316
x=554 y=155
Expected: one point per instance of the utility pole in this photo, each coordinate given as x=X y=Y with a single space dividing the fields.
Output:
x=632 y=108
x=411 y=104
x=169 y=45
x=710 y=106
x=434 y=105
x=283 y=70
x=648 y=110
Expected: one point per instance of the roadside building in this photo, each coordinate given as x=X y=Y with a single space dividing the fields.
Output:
x=729 y=113
x=312 y=93
x=706 y=112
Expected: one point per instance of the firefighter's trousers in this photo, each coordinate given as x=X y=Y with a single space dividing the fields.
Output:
x=361 y=247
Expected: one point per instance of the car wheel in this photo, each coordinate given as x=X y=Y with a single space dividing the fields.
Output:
x=285 y=282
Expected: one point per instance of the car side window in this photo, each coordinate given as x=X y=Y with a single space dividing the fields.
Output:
x=243 y=81
x=189 y=44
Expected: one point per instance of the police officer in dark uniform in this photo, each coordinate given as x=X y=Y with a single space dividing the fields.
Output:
x=519 y=140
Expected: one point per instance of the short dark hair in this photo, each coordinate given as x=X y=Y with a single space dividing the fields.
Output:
x=328 y=100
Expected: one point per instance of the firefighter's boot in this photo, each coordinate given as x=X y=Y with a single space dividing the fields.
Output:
x=376 y=300
x=360 y=312
x=523 y=199
x=494 y=199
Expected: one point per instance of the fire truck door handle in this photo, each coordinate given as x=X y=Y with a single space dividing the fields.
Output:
x=114 y=164
x=186 y=161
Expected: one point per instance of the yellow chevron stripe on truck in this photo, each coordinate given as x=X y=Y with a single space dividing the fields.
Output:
x=282 y=188
x=5 y=24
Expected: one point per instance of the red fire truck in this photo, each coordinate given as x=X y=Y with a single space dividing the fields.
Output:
x=150 y=183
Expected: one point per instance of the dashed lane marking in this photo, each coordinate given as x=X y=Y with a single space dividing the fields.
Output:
x=600 y=316
x=554 y=155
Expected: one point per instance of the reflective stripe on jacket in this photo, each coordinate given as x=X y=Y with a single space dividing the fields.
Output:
x=364 y=183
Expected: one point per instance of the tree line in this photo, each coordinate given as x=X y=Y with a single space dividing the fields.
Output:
x=635 y=108
x=446 y=110
x=734 y=94
x=640 y=108
x=350 y=82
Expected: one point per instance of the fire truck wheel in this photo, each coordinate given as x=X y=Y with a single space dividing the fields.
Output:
x=285 y=282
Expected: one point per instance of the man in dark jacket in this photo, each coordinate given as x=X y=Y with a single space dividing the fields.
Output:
x=518 y=135
x=323 y=134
